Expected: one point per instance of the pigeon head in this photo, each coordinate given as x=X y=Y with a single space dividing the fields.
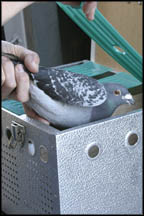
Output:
x=119 y=94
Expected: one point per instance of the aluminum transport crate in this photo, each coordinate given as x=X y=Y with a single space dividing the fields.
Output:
x=94 y=168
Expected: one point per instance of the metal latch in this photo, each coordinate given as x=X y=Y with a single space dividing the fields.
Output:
x=16 y=135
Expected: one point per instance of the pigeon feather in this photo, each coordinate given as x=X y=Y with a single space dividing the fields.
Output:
x=70 y=88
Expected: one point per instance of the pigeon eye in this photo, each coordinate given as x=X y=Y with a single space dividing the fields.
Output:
x=117 y=92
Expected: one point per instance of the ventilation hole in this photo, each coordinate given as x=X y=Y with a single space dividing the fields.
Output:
x=9 y=175
x=131 y=139
x=31 y=148
x=10 y=194
x=42 y=202
x=92 y=151
x=8 y=133
x=8 y=154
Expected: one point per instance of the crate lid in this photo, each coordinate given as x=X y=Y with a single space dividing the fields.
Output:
x=108 y=38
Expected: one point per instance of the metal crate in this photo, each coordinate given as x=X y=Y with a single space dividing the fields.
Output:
x=94 y=168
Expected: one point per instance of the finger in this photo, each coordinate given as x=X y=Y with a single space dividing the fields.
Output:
x=90 y=15
x=89 y=9
x=32 y=114
x=88 y=6
x=3 y=77
x=30 y=58
x=22 y=80
x=9 y=83
x=31 y=62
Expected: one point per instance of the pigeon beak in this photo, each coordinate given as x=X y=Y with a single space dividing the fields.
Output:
x=129 y=99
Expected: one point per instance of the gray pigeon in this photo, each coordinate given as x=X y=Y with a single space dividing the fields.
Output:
x=67 y=99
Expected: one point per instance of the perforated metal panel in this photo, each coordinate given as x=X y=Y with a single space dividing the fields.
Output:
x=29 y=184
x=10 y=185
x=43 y=199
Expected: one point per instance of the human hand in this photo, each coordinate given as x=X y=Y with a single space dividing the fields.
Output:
x=16 y=77
x=15 y=81
x=89 y=7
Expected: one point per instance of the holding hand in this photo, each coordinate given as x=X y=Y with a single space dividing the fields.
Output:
x=15 y=81
x=16 y=77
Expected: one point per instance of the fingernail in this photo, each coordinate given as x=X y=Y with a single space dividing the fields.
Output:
x=33 y=61
x=34 y=65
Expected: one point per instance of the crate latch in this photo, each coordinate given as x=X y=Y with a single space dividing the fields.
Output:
x=16 y=135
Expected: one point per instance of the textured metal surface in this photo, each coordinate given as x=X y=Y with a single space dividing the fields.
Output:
x=15 y=30
x=29 y=186
x=110 y=183
x=67 y=176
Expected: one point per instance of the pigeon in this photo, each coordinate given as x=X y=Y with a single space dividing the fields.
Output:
x=67 y=99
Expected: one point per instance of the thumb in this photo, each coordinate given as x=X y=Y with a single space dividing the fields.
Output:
x=30 y=58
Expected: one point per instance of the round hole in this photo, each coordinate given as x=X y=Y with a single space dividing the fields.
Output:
x=31 y=148
x=8 y=133
x=93 y=151
x=132 y=139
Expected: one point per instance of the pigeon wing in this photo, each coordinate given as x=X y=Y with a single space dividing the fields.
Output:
x=70 y=88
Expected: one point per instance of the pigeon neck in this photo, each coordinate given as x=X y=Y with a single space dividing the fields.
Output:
x=103 y=111
x=111 y=105
x=108 y=107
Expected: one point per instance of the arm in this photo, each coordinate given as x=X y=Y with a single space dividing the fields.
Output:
x=10 y=9
x=16 y=78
